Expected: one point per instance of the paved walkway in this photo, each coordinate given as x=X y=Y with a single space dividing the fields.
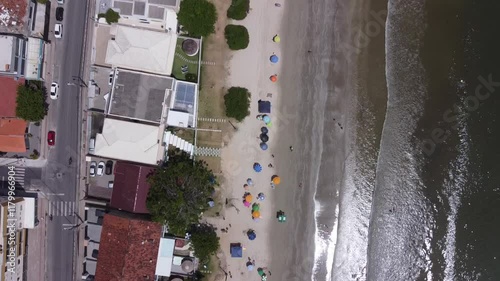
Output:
x=193 y=61
x=36 y=246
x=217 y=120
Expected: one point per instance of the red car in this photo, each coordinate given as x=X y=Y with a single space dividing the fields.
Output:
x=51 y=138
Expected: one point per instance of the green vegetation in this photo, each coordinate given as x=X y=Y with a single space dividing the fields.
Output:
x=35 y=154
x=179 y=192
x=191 y=77
x=42 y=1
x=236 y=37
x=111 y=16
x=237 y=102
x=31 y=104
x=238 y=9
x=190 y=62
x=204 y=241
x=197 y=17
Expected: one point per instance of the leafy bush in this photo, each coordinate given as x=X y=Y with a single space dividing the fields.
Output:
x=30 y=103
x=42 y=1
x=197 y=17
x=204 y=241
x=191 y=77
x=236 y=37
x=238 y=9
x=237 y=102
x=179 y=192
x=111 y=16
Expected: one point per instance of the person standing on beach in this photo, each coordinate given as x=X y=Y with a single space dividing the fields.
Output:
x=291 y=148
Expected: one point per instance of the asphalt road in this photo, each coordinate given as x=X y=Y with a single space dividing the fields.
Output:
x=59 y=176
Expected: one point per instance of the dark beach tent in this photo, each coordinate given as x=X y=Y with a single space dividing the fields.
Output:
x=264 y=106
x=264 y=130
x=264 y=137
x=251 y=235
x=257 y=167
x=236 y=250
x=263 y=146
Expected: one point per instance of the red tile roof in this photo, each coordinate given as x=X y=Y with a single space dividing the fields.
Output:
x=12 y=135
x=131 y=188
x=128 y=249
x=8 y=95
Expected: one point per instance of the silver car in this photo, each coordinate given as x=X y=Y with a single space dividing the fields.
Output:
x=58 y=29
x=93 y=166
x=100 y=168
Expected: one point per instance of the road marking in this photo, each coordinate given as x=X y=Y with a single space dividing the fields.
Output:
x=61 y=208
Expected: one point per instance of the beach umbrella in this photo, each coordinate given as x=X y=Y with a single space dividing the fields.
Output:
x=256 y=214
x=273 y=78
x=251 y=235
x=257 y=167
x=250 y=181
x=266 y=119
x=260 y=270
x=248 y=197
x=255 y=207
x=274 y=59
x=264 y=130
x=247 y=204
x=276 y=180
x=236 y=250
x=263 y=146
x=250 y=266
x=264 y=137
x=276 y=38
x=261 y=197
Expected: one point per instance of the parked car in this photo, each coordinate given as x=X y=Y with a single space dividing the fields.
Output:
x=51 y=138
x=58 y=29
x=54 y=88
x=93 y=165
x=60 y=2
x=109 y=167
x=100 y=168
x=59 y=13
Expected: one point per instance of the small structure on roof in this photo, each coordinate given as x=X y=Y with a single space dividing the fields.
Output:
x=190 y=47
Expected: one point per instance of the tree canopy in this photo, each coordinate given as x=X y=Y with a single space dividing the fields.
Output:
x=179 y=192
x=30 y=103
x=204 y=241
x=237 y=37
x=197 y=17
x=111 y=16
x=237 y=102
x=238 y=9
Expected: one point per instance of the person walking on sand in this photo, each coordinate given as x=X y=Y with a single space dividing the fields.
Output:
x=291 y=148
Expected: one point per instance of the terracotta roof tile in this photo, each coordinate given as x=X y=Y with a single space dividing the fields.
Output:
x=12 y=135
x=128 y=249
x=8 y=94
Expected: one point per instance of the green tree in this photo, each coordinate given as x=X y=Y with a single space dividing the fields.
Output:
x=179 y=192
x=111 y=16
x=237 y=102
x=237 y=37
x=204 y=241
x=197 y=17
x=238 y=9
x=30 y=103
x=191 y=77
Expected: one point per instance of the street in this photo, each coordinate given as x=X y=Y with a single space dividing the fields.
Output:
x=60 y=174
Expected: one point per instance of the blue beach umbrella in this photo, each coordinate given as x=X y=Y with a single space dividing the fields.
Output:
x=251 y=235
x=263 y=146
x=266 y=119
x=257 y=167
x=274 y=59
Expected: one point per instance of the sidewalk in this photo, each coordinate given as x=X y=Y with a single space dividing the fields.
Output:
x=36 y=250
x=23 y=162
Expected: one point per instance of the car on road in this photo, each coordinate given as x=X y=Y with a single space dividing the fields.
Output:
x=58 y=29
x=59 y=13
x=93 y=165
x=109 y=167
x=54 y=89
x=51 y=138
x=100 y=168
x=111 y=76
x=60 y=2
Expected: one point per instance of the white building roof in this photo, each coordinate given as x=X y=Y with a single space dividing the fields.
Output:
x=34 y=61
x=165 y=257
x=141 y=49
x=29 y=212
x=178 y=118
x=128 y=141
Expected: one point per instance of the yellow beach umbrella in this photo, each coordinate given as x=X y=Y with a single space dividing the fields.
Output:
x=256 y=214
x=248 y=198
x=276 y=38
x=276 y=180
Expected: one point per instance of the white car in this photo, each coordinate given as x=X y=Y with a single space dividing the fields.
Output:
x=58 y=29
x=93 y=165
x=111 y=76
x=54 y=89
x=100 y=168
x=60 y=2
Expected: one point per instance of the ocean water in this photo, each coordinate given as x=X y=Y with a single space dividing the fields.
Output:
x=419 y=198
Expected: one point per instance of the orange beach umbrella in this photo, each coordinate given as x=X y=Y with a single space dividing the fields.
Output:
x=276 y=180
x=256 y=214
x=274 y=78
x=248 y=198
